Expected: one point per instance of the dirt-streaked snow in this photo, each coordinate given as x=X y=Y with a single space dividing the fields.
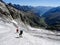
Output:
x=8 y=37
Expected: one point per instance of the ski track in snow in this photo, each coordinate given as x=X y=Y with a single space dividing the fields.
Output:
x=8 y=37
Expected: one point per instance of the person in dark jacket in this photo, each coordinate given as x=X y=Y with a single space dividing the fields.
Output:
x=21 y=32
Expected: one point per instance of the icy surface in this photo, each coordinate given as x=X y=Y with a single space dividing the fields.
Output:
x=32 y=36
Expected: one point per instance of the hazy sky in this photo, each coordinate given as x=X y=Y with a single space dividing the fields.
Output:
x=35 y=2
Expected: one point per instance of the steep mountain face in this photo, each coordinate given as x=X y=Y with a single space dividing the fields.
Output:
x=26 y=17
x=31 y=19
x=8 y=12
x=14 y=12
x=4 y=12
x=52 y=18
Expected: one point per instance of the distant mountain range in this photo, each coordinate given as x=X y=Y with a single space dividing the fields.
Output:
x=40 y=16
x=39 y=10
x=52 y=17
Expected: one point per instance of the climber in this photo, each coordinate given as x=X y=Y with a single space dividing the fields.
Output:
x=20 y=33
x=17 y=30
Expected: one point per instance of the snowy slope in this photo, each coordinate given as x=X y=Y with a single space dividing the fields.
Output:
x=8 y=37
x=44 y=33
